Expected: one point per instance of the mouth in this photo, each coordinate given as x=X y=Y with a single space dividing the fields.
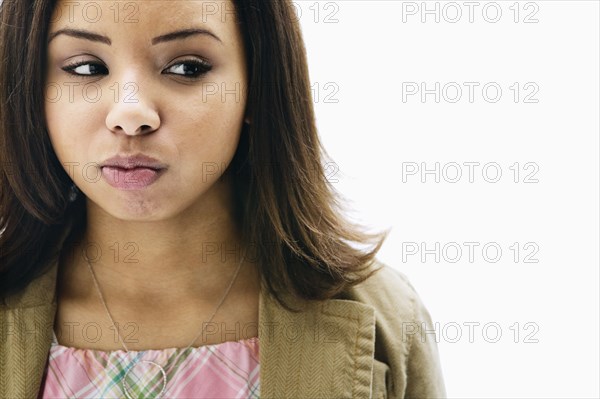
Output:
x=128 y=168
x=130 y=162
x=131 y=178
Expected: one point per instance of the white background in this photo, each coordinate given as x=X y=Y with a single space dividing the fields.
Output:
x=373 y=135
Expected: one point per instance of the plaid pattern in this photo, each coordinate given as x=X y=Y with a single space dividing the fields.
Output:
x=226 y=370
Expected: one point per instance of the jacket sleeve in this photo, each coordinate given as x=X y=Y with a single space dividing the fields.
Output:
x=424 y=374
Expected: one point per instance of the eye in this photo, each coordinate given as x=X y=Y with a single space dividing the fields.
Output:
x=195 y=68
x=191 y=69
x=83 y=68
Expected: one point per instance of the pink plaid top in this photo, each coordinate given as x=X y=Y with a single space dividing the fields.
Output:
x=226 y=370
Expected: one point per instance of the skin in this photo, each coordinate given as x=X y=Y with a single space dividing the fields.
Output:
x=160 y=231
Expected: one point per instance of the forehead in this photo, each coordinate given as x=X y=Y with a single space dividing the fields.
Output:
x=144 y=19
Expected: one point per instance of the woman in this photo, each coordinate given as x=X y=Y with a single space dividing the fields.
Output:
x=162 y=183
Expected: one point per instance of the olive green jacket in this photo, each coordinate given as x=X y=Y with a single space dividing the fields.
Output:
x=369 y=343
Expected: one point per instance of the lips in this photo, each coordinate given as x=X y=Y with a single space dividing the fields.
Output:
x=129 y=168
x=132 y=178
x=130 y=162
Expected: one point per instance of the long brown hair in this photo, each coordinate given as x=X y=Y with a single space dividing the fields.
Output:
x=281 y=186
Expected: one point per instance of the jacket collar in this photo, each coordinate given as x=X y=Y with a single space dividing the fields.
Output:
x=326 y=350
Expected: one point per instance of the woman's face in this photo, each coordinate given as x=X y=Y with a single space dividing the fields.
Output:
x=140 y=88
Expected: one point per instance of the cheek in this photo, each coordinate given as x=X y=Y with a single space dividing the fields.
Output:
x=68 y=130
x=216 y=113
x=56 y=126
x=212 y=135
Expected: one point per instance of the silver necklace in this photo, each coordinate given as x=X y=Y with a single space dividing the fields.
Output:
x=162 y=370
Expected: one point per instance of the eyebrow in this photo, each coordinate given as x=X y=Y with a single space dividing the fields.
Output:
x=95 y=37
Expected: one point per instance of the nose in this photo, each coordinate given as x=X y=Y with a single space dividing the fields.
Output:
x=132 y=115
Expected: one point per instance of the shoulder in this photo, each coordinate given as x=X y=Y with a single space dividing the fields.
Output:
x=406 y=353
x=390 y=292
x=399 y=310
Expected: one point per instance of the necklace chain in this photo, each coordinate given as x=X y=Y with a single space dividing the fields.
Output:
x=164 y=374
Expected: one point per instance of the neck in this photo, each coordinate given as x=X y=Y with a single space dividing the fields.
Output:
x=192 y=256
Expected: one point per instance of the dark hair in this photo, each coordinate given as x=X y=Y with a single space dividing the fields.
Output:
x=280 y=180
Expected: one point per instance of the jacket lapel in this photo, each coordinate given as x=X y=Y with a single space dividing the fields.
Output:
x=324 y=351
x=26 y=335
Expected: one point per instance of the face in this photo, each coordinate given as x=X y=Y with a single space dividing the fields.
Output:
x=177 y=98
